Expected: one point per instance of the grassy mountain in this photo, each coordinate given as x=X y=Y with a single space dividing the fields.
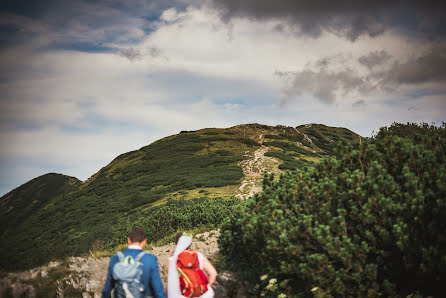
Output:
x=17 y=205
x=179 y=182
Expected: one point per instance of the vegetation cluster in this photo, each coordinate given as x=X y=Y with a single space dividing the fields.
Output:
x=20 y=203
x=174 y=216
x=301 y=146
x=369 y=221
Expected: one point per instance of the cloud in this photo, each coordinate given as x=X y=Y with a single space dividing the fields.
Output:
x=326 y=79
x=359 y=103
x=133 y=53
x=339 y=76
x=430 y=67
x=79 y=24
x=322 y=84
x=348 y=18
x=374 y=59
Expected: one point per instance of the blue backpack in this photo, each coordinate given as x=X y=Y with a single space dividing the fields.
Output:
x=127 y=273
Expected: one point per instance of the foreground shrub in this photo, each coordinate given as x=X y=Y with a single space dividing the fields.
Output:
x=176 y=215
x=368 y=223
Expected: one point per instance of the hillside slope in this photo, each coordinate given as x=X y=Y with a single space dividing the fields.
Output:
x=20 y=203
x=155 y=186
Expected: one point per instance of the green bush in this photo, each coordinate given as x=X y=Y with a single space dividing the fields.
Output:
x=275 y=137
x=248 y=142
x=291 y=148
x=289 y=162
x=175 y=215
x=370 y=222
x=300 y=138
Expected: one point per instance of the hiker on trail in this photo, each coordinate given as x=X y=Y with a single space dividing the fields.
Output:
x=133 y=272
x=186 y=276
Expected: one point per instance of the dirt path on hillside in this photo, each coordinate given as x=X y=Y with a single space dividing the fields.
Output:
x=253 y=169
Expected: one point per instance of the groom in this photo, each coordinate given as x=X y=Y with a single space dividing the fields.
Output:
x=150 y=277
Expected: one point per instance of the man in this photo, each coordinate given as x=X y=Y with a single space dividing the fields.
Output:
x=150 y=277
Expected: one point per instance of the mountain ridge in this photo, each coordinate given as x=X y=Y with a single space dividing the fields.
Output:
x=33 y=195
x=191 y=168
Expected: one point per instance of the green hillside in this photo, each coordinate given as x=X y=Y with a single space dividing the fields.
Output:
x=160 y=186
x=17 y=205
x=305 y=144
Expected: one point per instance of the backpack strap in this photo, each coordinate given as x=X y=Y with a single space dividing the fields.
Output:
x=139 y=256
x=120 y=256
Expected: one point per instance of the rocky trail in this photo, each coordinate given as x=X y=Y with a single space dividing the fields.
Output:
x=85 y=277
x=253 y=169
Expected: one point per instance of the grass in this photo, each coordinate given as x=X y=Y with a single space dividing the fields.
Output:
x=291 y=148
x=275 y=137
x=289 y=161
x=210 y=192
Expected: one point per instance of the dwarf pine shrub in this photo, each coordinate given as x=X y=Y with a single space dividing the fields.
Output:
x=369 y=222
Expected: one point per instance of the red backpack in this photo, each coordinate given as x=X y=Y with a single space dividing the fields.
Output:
x=193 y=281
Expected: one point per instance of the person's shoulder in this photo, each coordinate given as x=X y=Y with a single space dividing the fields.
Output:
x=149 y=257
x=114 y=259
x=115 y=256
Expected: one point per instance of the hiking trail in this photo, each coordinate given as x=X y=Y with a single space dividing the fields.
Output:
x=253 y=169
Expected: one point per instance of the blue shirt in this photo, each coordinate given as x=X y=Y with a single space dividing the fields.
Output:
x=150 y=278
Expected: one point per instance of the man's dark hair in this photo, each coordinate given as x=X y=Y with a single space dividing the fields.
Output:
x=137 y=235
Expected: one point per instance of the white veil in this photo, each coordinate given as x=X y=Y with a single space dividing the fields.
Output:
x=173 y=284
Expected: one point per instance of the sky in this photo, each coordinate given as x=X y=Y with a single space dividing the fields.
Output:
x=83 y=81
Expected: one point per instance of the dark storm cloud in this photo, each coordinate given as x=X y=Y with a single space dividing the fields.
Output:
x=326 y=78
x=15 y=29
x=79 y=24
x=349 y=18
x=430 y=67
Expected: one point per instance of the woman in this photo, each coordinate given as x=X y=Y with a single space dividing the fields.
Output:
x=173 y=285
